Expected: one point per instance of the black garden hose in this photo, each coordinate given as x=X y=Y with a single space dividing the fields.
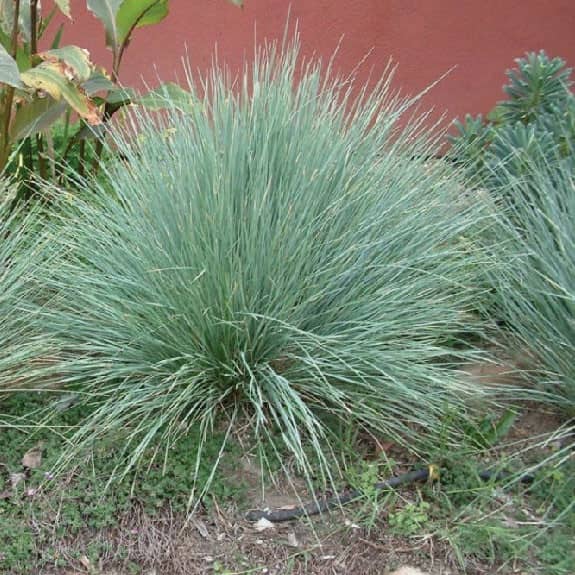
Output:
x=326 y=503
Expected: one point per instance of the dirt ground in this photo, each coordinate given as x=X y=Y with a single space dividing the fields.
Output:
x=221 y=544
x=224 y=542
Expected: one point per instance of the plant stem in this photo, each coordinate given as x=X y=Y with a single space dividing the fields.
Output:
x=51 y=154
x=82 y=158
x=33 y=51
x=41 y=157
x=28 y=158
x=120 y=52
x=9 y=98
x=108 y=110
x=33 y=27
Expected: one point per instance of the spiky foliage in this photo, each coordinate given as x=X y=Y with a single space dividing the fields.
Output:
x=537 y=292
x=535 y=123
x=280 y=253
x=538 y=86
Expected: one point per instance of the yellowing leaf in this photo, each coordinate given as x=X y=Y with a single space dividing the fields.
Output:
x=74 y=62
x=48 y=78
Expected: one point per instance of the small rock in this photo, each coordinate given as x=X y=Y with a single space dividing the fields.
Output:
x=263 y=524
x=292 y=540
x=201 y=528
x=408 y=571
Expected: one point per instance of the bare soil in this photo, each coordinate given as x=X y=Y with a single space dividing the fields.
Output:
x=223 y=542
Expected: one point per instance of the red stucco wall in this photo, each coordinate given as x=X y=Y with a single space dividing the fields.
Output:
x=426 y=37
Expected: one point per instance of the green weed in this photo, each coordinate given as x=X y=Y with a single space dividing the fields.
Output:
x=410 y=519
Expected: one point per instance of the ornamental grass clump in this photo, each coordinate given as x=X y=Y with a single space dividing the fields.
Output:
x=281 y=254
x=536 y=294
x=22 y=344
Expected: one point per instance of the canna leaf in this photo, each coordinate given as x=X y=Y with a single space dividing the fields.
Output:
x=35 y=116
x=138 y=13
x=48 y=77
x=6 y=16
x=120 y=96
x=98 y=82
x=106 y=11
x=74 y=62
x=25 y=20
x=9 y=73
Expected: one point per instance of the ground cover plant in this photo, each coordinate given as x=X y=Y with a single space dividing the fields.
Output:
x=48 y=522
x=54 y=524
x=281 y=253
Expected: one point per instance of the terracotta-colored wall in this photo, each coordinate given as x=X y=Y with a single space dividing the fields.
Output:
x=426 y=37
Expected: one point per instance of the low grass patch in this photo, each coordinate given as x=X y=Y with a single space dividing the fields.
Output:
x=48 y=522
x=475 y=525
x=51 y=524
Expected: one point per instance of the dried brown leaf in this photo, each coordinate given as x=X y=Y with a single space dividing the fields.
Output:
x=33 y=457
x=16 y=478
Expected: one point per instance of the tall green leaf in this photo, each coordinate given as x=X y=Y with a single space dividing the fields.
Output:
x=9 y=73
x=25 y=20
x=98 y=82
x=6 y=16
